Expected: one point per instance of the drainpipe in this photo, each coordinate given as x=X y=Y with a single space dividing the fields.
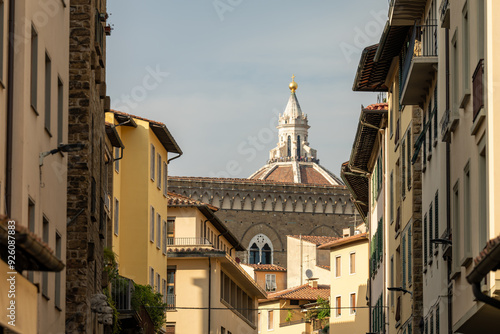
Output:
x=10 y=109
x=448 y=183
x=177 y=156
x=205 y=229
x=209 y=292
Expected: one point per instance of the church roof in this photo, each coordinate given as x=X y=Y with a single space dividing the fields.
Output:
x=305 y=172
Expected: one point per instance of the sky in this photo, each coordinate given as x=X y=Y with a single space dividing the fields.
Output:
x=216 y=72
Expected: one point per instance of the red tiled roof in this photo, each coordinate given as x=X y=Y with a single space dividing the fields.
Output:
x=265 y=267
x=343 y=241
x=488 y=260
x=490 y=245
x=302 y=292
x=281 y=174
x=324 y=267
x=377 y=106
x=135 y=116
x=315 y=239
x=310 y=175
x=174 y=199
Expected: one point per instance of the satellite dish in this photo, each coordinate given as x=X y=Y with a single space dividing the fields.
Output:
x=309 y=273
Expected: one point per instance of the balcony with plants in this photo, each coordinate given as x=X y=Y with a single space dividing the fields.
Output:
x=419 y=64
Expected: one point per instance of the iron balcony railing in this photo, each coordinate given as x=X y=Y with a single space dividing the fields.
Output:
x=422 y=43
x=122 y=290
x=170 y=302
x=188 y=242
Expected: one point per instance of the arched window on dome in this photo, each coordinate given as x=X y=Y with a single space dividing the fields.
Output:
x=298 y=146
x=254 y=254
x=289 y=147
x=260 y=250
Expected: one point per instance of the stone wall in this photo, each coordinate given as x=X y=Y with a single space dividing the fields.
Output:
x=251 y=207
x=86 y=231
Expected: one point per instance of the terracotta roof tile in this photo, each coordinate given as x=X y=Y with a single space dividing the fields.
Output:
x=343 y=241
x=310 y=175
x=318 y=240
x=324 y=267
x=281 y=174
x=302 y=292
x=137 y=117
x=265 y=267
x=377 y=106
x=174 y=199
x=490 y=245
x=193 y=250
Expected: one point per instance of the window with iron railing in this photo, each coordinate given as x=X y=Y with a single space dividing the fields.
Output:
x=477 y=90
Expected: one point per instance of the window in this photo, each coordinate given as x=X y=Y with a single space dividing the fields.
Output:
x=338 y=306
x=116 y=217
x=48 y=92
x=429 y=129
x=117 y=162
x=289 y=147
x=171 y=288
x=465 y=48
x=270 y=320
x=164 y=290
x=409 y=254
x=152 y=163
x=45 y=274
x=338 y=262
x=455 y=77
x=151 y=277
x=353 y=303
x=392 y=280
x=480 y=31
x=2 y=22
x=467 y=215
x=152 y=225
x=259 y=326
x=391 y=198
x=456 y=229
x=165 y=179
x=408 y=156
x=222 y=330
x=424 y=145
x=158 y=230
x=60 y=111
x=270 y=282
x=436 y=218
x=31 y=227
x=483 y=194
x=57 y=281
x=425 y=240
x=437 y=319
x=158 y=180
x=431 y=230
x=403 y=246
x=170 y=230
x=236 y=298
x=260 y=250
x=158 y=282
x=164 y=238
x=170 y=328
x=352 y=263
x=34 y=68
x=403 y=168
x=435 y=111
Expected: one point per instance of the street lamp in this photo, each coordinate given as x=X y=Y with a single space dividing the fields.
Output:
x=400 y=289
x=61 y=148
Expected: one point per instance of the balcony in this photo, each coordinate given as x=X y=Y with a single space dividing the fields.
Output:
x=170 y=302
x=419 y=65
x=444 y=12
x=122 y=290
x=449 y=123
x=188 y=242
x=405 y=12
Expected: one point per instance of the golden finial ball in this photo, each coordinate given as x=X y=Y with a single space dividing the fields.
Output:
x=293 y=86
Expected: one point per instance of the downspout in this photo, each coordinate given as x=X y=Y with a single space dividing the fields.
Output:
x=205 y=229
x=10 y=110
x=177 y=156
x=448 y=183
x=218 y=243
x=209 y=292
x=476 y=289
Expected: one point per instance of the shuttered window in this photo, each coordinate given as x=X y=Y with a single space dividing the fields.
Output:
x=425 y=240
x=436 y=215
x=431 y=230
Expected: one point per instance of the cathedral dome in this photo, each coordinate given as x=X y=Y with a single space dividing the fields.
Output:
x=293 y=160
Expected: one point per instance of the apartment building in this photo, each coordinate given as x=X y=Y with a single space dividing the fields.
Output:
x=206 y=289
x=348 y=289
x=34 y=57
x=366 y=178
x=270 y=277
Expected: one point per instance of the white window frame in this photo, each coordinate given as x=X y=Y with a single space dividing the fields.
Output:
x=271 y=279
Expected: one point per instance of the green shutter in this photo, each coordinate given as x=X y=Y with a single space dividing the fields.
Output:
x=425 y=240
x=430 y=231
x=436 y=221
x=409 y=254
x=404 y=261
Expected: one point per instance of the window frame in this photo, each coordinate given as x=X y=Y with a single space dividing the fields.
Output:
x=338 y=266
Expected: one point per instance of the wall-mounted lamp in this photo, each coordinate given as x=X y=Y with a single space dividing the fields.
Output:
x=61 y=148
x=400 y=289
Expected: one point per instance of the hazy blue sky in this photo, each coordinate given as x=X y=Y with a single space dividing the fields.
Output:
x=229 y=63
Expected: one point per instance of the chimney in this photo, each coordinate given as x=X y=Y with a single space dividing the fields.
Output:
x=313 y=283
x=346 y=232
